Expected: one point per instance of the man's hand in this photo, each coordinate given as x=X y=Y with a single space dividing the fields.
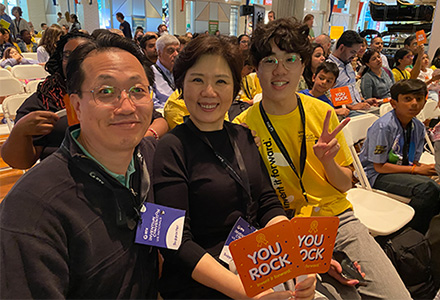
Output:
x=257 y=139
x=342 y=111
x=336 y=270
x=327 y=146
x=360 y=105
x=427 y=170
x=37 y=123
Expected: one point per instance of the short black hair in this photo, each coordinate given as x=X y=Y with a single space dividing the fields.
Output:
x=55 y=62
x=328 y=67
x=409 y=40
x=349 y=38
x=145 y=39
x=288 y=34
x=120 y=15
x=208 y=45
x=408 y=86
x=106 y=42
x=23 y=31
x=18 y=9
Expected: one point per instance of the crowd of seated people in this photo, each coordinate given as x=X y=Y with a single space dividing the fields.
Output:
x=112 y=151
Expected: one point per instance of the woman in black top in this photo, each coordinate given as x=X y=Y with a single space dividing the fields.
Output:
x=188 y=175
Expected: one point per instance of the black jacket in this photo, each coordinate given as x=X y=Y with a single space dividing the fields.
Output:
x=67 y=230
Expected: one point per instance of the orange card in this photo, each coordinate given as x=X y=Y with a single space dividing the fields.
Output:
x=421 y=37
x=340 y=96
x=316 y=236
x=267 y=257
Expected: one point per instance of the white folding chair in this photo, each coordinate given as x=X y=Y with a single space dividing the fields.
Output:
x=32 y=86
x=30 y=55
x=384 y=108
x=10 y=106
x=10 y=86
x=381 y=214
x=5 y=73
x=29 y=72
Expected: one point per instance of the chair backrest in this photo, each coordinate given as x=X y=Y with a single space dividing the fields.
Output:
x=430 y=110
x=10 y=106
x=29 y=72
x=358 y=126
x=10 y=86
x=30 y=55
x=384 y=108
x=5 y=73
x=32 y=86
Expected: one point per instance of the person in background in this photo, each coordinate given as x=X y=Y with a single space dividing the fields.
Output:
x=435 y=63
x=271 y=15
x=189 y=34
x=377 y=44
x=4 y=42
x=357 y=62
x=11 y=57
x=62 y=21
x=376 y=80
x=183 y=40
x=326 y=42
x=162 y=29
x=26 y=43
x=124 y=26
x=138 y=35
x=308 y=19
x=148 y=45
x=186 y=173
x=20 y=24
x=391 y=152
x=404 y=58
x=6 y=18
x=306 y=80
x=48 y=42
x=32 y=29
x=347 y=47
x=410 y=43
x=43 y=29
x=168 y=47
x=76 y=25
x=243 y=42
x=430 y=77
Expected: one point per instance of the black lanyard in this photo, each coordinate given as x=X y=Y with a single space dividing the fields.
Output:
x=303 y=153
x=403 y=74
x=246 y=89
x=172 y=86
x=406 y=143
x=243 y=180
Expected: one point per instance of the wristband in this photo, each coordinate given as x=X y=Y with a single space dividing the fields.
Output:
x=156 y=136
x=412 y=169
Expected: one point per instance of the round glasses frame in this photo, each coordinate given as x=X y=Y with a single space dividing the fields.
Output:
x=111 y=96
x=270 y=63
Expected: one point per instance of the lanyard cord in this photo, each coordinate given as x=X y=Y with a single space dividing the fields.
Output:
x=172 y=86
x=243 y=180
x=406 y=143
x=303 y=153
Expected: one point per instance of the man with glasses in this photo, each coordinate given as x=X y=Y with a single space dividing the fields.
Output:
x=167 y=48
x=347 y=47
x=307 y=157
x=68 y=225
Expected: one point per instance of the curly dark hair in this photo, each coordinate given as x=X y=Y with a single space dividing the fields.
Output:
x=288 y=34
x=208 y=45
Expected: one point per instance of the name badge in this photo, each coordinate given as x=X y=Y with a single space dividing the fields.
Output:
x=160 y=226
x=240 y=229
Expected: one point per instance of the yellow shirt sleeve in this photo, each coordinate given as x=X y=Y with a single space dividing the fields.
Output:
x=174 y=110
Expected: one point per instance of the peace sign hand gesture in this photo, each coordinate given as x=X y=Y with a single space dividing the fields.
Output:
x=327 y=145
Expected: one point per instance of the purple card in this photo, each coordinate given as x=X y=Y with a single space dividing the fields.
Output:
x=160 y=226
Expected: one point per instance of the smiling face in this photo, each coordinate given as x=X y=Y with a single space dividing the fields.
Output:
x=279 y=84
x=112 y=128
x=377 y=44
x=244 y=43
x=208 y=89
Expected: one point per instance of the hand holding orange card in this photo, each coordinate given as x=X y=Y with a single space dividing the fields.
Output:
x=267 y=258
x=316 y=236
x=421 y=37
x=340 y=96
x=283 y=251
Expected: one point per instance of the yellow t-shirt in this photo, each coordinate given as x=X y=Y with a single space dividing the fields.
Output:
x=399 y=75
x=323 y=198
x=175 y=110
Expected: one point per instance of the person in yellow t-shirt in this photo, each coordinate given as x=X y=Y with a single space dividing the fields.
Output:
x=317 y=151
